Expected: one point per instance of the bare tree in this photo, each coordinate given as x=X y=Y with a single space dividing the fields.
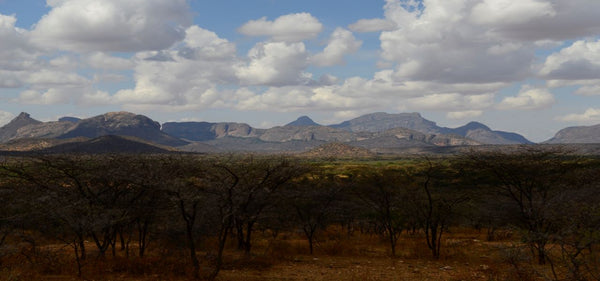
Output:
x=435 y=198
x=314 y=199
x=533 y=179
x=260 y=179
x=382 y=192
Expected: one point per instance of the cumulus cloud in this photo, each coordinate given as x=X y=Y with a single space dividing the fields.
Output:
x=112 y=25
x=451 y=101
x=590 y=115
x=535 y=20
x=48 y=97
x=342 y=42
x=440 y=43
x=187 y=80
x=457 y=115
x=528 y=99
x=589 y=90
x=275 y=64
x=17 y=55
x=288 y=28
x=580 y=61
x=508 y=12
x=5 y=117
x=100 y=60
x=372 y=25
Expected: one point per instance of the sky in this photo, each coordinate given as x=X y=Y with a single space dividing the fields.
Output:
x=527 y=66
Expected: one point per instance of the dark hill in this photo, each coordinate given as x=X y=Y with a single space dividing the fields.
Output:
x=122 y=124
x=483 y=134
x=303 y=121
x=106 y=144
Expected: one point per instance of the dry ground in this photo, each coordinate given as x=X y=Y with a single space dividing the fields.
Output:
x=465 y=256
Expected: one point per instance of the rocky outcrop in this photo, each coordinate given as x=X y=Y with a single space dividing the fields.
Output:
x=581 y=134
x=122 y=124
x=307 y=133
x=10 y=130
x=205 y=131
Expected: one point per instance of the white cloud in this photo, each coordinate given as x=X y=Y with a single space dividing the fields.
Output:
x=580 y=61
x=202 y=44
x=528 y=99
x=439 y=43
x=275 y=64
x=17 y=55
x=5 y=117
x=185 y=77
x=507 y=12
x=51 y=78
x=112 y=25
x=589 y=90
x=451 y=102
x=535 y=20
x=341 y=43
x=457 y=115
x=105 y=61
x=590 y=115
x=288 y=28
x=49 y=97
x=372 y=25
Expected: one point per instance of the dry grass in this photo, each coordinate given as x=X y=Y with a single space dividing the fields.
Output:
x=338 y=256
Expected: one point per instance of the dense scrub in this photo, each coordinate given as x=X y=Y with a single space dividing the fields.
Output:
x=181 y=214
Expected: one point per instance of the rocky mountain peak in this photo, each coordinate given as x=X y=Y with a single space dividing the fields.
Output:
x=303 y=121
x=381 y=121
x=10 y=130
x=23 y=119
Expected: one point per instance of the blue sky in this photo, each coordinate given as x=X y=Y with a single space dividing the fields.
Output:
x=529 y=66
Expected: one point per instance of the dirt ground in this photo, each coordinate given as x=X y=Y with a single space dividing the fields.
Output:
x=465 y=256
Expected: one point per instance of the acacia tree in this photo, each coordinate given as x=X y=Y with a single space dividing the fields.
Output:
x=435 y=198
x=314 y=201
x=54 y=206
x=259 y=182
x=382 y=192
x=533 y=179
x=185 y=180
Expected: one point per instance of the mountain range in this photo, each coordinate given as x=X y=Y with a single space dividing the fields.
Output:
x=377 y=132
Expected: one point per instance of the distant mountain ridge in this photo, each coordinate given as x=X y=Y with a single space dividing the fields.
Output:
x=381 y=121
x=112 y=123
x=376 y=132
x=581 y=134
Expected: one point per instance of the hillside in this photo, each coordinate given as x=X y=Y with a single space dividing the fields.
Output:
x=107 y=144
x=380 y=122
x=122 y=124
x=582 y=134
x=338 y=150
